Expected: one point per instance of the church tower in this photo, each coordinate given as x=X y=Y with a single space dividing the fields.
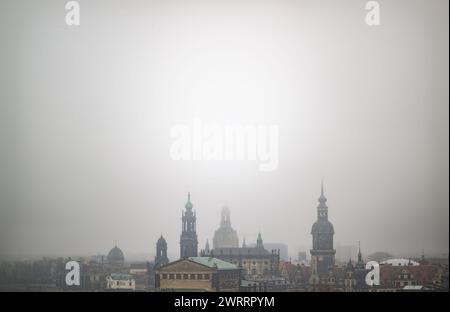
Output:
x=259 y=242
x=322 y=253
x=161 y=253
x=225 y=236
x=188 y=239
x=360 y=271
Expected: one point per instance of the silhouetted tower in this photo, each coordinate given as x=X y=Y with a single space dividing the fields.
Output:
x=360 y=271
x=322 y=253
x=161 y=253
x=188 y=239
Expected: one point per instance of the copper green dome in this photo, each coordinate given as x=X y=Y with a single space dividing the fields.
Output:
x=189 y=204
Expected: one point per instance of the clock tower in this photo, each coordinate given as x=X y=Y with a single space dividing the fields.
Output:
x=322 y=253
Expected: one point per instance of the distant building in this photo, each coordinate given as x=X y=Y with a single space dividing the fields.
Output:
x=188 y=238
x=161 y=253
x=255 y=262
x=198 y=274
x=344 y=253
x=225 y=236
x=355 y=275
x=302 y=257
x=118 y=281
x=282 y=248
x=380 y=256
x=115 y=257
x=400 y=276
x=322 y=253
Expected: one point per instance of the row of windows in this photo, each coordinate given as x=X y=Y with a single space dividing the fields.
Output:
x=186 y=276
x=118 y=283
x=250 y=262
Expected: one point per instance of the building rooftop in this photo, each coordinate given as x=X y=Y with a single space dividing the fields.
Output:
x=413 y=287
x=121 y=277
x=214 y=263
x=240 y=251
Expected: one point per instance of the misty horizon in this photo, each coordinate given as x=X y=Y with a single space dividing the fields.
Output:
x=86 y=114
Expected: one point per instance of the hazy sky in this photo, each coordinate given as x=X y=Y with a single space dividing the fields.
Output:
x=86 y=113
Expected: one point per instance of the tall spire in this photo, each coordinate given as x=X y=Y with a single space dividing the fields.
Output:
x=259 y=241
x=322 y=208
x=207 y=250
x=322 y=198
x=359 y=252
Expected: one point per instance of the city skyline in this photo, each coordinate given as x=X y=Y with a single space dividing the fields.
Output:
x=87 y=116
x=243 y=240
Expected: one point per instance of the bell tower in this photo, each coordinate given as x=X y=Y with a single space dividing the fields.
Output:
x=188 y=238
x=322 y=253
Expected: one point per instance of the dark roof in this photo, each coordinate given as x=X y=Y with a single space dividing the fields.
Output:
x=236 y=251
x=322 y=227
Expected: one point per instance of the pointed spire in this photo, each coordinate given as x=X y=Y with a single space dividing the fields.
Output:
x=359 y=252
x=207 y=250
x=322 y=198
x=244 y=244
x=321 y=187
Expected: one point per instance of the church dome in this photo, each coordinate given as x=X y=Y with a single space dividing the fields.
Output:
x=115 y=255
x=322 y=227
x=225 y=236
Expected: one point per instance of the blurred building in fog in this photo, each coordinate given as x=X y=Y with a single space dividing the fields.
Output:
x=225 y=236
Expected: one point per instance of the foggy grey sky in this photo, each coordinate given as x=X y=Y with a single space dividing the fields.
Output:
x=86 y=112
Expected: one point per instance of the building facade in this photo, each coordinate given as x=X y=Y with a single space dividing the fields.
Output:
x=198 y=274
x=120 y=282
x=255 y=262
